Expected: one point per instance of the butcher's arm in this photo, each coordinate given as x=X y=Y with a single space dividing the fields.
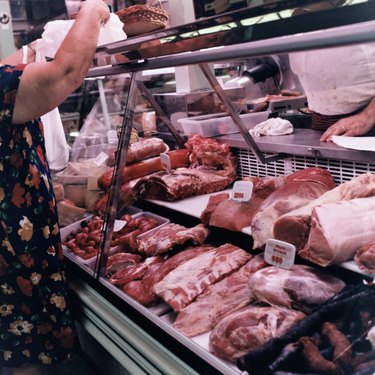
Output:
x=45 y=85
x=352 y=126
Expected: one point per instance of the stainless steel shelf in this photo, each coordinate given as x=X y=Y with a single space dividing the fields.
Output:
x=303 y=142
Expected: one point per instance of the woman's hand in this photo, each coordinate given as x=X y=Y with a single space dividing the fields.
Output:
x=96 y=7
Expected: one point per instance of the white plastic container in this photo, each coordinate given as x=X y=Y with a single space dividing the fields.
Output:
x=219 y=123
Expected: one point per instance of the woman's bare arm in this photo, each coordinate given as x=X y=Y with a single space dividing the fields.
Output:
x=45 y=85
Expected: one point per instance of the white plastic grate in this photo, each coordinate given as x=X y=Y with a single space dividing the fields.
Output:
x=341 y=170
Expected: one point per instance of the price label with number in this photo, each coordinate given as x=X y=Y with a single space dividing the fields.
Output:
x=242 y=191
x=119 y=224
x=165 y=161
x=101 y=159
x=279 y=253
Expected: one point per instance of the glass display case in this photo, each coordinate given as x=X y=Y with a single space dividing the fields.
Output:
x=245 y=56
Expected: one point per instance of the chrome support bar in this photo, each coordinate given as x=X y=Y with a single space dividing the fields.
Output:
x=236 y=118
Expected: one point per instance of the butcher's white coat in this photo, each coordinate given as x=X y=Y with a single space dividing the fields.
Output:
x=336 y=80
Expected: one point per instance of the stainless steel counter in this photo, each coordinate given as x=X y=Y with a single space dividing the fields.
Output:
x=303 y=142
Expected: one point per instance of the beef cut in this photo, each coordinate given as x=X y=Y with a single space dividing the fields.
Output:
x=294 y=226
x=181 y=183
x=249 y=328
x=338 y=230
x=218 y=300
x=182 y=285
x=301 y=188
x=223 y=212
x=168 y=237
x=300 y=288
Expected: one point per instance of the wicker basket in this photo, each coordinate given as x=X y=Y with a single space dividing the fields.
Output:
x=141 y=19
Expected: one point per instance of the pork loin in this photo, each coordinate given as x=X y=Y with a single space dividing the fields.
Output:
x=249 y=328
x=301 y=287
x=338 y=230
x=182 y=285
x=294 y=226
x=227 y=295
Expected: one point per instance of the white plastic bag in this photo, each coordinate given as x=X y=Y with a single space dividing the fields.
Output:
x=55 y=32
x=57 y=149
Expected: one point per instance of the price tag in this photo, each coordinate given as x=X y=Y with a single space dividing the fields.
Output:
x=119 y=224
x=165 y=161
x=101 y=159
x=279 y=253
x=242 y=191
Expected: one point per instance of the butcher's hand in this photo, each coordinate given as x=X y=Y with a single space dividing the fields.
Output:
x=352 y=126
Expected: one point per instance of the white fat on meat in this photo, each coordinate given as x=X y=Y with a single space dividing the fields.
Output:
x=249 y=328
x=183 y=284
x=301 y=287
x=339 y=229
x=294 y=226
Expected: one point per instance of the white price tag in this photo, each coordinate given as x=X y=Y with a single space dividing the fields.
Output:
x=242 y=191
x=101 y=159
x=165 y=161
x=279 y=253
x=119 y=224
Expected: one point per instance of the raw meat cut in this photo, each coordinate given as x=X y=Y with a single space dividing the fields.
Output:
x=181 y=183
x=233 y=215
x=212 y=168
x=134 y=272
x=119 y=261
x=338 y=230
x=247 y=329
x=223 y=212
x=142 y=290
x=301 y=287
x=218 y=300
x=301 y=188
x=294 y=226
x=168 y=237
x=365 y=258
x=287 y=198
x=209 y=154
x=182 y=285
x=212 y=204
x=154 y=275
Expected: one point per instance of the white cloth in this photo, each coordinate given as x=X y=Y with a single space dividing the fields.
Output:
x=336 y=80
x=272 y=126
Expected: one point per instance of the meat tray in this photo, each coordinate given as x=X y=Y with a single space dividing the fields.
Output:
x=217 y=124
x=73 y=227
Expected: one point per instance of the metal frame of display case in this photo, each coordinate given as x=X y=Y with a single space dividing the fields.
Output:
x=99 y=317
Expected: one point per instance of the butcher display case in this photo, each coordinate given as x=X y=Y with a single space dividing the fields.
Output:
x=143 y=339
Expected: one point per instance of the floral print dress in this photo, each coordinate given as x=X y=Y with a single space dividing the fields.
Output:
x=36 y=324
